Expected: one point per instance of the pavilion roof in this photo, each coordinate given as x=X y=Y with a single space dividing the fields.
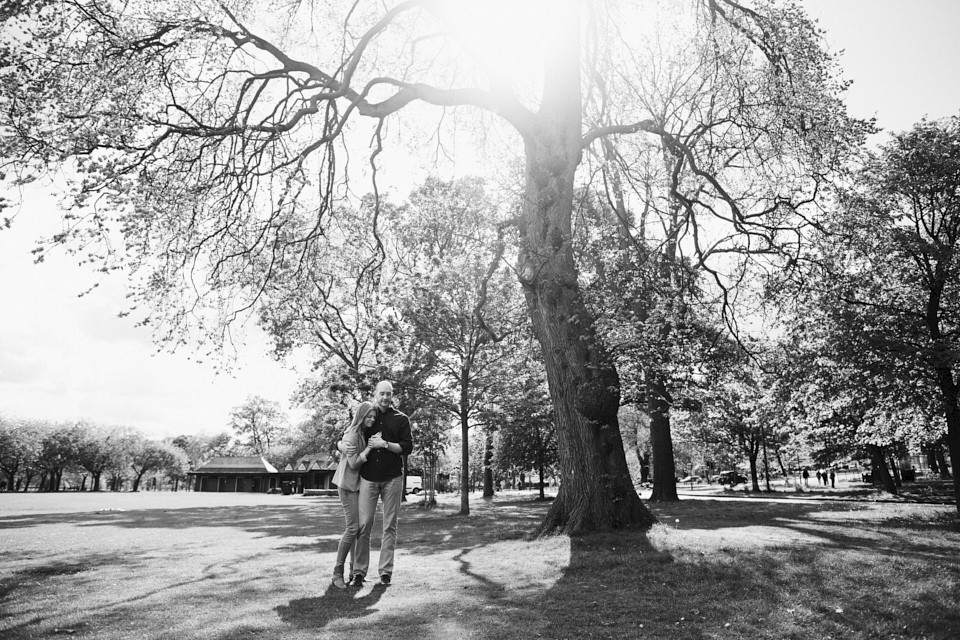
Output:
x=236 y=464
x=314 y=462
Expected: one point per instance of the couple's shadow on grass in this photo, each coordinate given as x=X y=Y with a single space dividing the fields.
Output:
x=333 y=604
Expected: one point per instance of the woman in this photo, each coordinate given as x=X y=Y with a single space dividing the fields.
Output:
x=347 y=479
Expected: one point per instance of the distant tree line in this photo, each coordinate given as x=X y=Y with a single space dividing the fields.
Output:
x=43 y=455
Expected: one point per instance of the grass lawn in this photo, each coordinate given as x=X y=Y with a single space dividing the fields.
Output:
x=219 y=566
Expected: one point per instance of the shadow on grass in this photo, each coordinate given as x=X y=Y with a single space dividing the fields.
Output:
x=628 y=589
x=897 y=585
x=34 y=578
x=31 y=584
x=834 y=525
x=901 y=583
x=281 y=520
x=334 y=605
x=421 y=527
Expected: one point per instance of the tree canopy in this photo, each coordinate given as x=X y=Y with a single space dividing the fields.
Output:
x=886 y=279
x=210 y=145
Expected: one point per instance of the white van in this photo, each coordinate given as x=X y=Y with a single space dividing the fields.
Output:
x=414 y=484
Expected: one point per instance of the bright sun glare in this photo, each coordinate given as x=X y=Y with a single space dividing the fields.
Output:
x=505 y=37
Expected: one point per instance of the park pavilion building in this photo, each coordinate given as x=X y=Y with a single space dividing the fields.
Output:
x=312 y=473
x=236 y=473
x=309 y=474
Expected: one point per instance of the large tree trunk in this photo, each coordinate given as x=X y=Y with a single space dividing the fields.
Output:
x=752 y=449
x=644 y=460
x=766 y=458
x=430 y=478
x=464 y=449
x=488 y=464
x=881 y=474
x=661 y=442
x=783 y=468
x=895 y=471
x=931 y=457
x=596 y=491
x=950 y=397
x=657 y=403
x=942 y=467
x=541 y=474
x=949 y=391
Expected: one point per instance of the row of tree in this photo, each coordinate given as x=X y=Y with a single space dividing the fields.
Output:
x=103 y=457
x=814 y=392
x=663 y=164
x=48 y=456
x=451 y=366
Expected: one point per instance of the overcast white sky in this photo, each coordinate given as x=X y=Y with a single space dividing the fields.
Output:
x=63 y=357
x=903 y=57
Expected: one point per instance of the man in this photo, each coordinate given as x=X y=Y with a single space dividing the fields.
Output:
x=381 y=478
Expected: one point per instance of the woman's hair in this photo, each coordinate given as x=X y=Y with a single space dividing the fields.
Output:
x=358 y=416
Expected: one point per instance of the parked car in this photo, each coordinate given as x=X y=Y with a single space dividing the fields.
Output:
x=691 y=480
x=414 y=484
x=731 y=478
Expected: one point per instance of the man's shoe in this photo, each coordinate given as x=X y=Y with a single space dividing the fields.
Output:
x=339 y=583
x=385 y=578
x=357 y=581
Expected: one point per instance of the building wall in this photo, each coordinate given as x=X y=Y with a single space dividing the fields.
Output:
x=232 y=483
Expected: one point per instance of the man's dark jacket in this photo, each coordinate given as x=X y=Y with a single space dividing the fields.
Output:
x=381 y=464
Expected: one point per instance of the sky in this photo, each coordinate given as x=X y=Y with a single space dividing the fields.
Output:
x=65 y=357
x=903 y=57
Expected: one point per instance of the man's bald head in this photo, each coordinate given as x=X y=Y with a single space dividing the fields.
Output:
x=383 y=395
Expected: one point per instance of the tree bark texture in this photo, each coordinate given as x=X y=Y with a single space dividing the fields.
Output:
x=766 y=459
x=488 y=465
x=658 y=405
x=895 y=471
x=596 y=491
x=464 y=446
x=949 y=390
x=950 y=397
x=540 y=474
x=942 y=467
x=880 y=471
x=661 y=442
x=754 y=476
x=751 y=446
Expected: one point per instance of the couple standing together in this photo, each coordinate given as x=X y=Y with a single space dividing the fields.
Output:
x=371 y=469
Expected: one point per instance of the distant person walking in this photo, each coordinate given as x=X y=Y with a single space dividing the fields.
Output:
x=806 y=477
x=833 y=479
x=347 y=479
x=381 y=479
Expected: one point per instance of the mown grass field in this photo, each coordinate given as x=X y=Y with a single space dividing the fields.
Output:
x=219 y=566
